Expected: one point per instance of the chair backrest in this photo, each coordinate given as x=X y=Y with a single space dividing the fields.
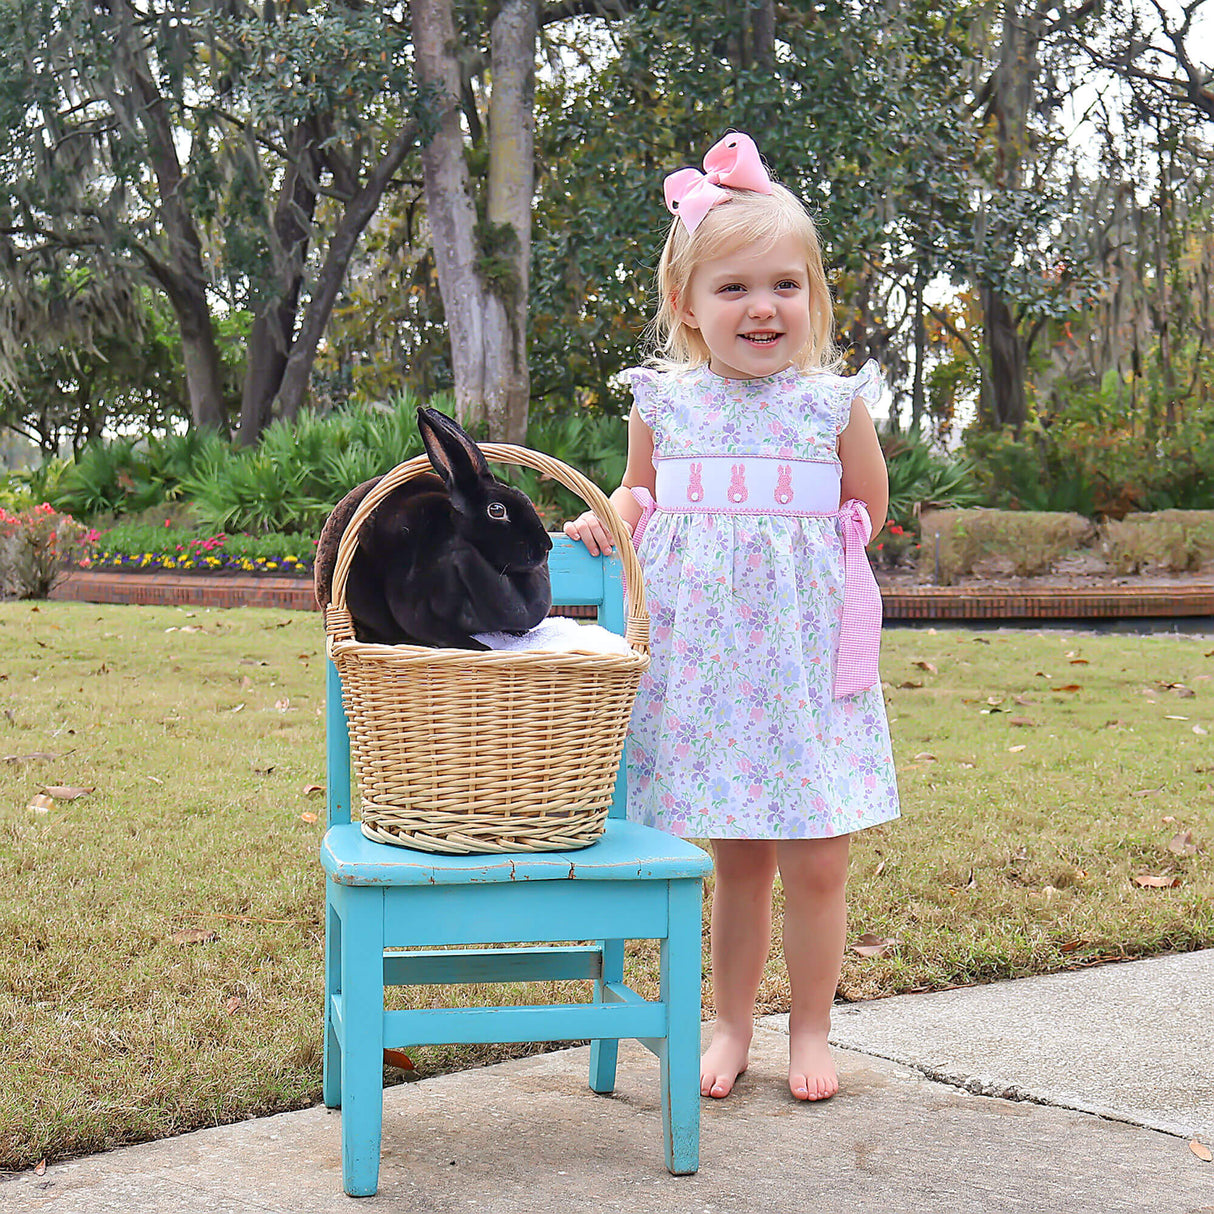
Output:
x=578 y=580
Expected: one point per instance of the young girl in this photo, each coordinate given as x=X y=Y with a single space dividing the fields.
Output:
x=760 y=724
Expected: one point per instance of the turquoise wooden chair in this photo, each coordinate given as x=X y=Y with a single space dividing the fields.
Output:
x=634 y=883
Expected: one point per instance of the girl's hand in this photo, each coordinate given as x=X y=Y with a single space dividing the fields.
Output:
x=588 y=528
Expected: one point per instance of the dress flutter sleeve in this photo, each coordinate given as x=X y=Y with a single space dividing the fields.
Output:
x=644 y=383
x=867 y=385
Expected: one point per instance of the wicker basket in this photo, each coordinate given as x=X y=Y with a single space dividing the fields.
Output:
x=463 y=751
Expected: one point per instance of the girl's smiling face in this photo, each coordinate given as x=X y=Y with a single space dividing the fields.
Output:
x=751 y=307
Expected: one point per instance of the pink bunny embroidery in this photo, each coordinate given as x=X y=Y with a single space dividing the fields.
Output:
x=737 y=484
x=695 y=489
x=784 y=485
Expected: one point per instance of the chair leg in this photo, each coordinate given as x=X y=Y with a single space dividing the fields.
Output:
x=679 y=1054
x=331 y=1081
x=603 y=1052
x=362 y=1044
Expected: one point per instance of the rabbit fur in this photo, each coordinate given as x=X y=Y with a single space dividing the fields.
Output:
x=443 y=556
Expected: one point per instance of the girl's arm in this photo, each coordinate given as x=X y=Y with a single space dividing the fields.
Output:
x=864 y=473
x=639 y=474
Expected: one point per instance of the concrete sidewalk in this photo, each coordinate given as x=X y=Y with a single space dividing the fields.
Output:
x=1110 y=1070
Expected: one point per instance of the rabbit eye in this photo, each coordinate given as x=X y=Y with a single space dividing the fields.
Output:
x=497 y=511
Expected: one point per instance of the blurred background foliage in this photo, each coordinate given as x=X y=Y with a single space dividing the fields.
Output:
x=1015 y=202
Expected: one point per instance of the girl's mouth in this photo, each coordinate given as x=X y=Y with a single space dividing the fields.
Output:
x=761 y=339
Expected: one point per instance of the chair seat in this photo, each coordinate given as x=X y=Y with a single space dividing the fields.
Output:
x=626 y=851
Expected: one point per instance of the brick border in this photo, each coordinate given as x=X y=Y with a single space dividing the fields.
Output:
x=901 y=603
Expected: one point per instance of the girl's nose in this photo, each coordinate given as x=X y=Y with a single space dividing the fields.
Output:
x=761 y=305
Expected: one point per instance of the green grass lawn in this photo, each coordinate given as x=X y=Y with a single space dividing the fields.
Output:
x=161 y=935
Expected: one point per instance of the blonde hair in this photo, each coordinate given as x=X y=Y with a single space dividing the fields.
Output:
x=744 y=218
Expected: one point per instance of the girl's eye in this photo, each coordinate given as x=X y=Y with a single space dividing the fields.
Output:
x=787 y=285
x=731 y=287
x=497 y=512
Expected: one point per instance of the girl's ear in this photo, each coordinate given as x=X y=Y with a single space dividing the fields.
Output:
x=685 y=315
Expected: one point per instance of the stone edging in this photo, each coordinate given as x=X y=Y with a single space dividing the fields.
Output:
x=900 y=603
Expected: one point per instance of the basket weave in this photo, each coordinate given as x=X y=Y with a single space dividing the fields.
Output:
x=462 y=751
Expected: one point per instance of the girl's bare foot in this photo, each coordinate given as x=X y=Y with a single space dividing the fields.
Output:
x=726 y=1058
x=811 y=1070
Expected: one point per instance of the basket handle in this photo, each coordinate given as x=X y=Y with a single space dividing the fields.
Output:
x=340 y=623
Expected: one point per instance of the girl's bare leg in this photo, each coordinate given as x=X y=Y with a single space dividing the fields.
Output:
x=741 y=939
x=814 y=875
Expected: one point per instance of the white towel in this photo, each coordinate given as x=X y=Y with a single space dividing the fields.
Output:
x=562 y=634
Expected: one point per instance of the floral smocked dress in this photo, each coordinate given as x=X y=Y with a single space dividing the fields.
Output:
x=736 y=732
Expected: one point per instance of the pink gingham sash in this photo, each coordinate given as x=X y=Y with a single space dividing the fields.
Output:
x=751 y=485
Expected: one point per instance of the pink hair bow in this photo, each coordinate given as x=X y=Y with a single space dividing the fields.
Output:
x=733 y=161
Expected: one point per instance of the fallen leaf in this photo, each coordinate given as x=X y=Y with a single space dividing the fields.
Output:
x=1024 y=701
x=193 y=935
x=1201 y=730
x=155 y=780
x=994 y=701
x=1171 y=716
x=1079 y=662
x=64 y=792
x=981 y=641
x=261 y=771
x=924 y=756
x=308 y=817
x=40 y=1169
x=1168 y=818
x=233 y=1005
x=1067 y=687
x=41 y=803
x=1011 y=750
x=282 y=705
x=1182 y=844
x=1071 y=945
x=1199 y=1149
x=238 y=708
x=875 y=946
x=311 y=790
x=925 y=666
x=398 y=1059
x=910 y=684
x=1021 y=721
x=879 y=869
x=1150 y=881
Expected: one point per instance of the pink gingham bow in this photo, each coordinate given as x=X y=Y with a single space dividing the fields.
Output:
x=733 y=161
x=860 y=632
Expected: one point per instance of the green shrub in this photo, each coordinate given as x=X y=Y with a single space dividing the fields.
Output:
x=921 y=480
x=1032 y=540
x=1178 y=540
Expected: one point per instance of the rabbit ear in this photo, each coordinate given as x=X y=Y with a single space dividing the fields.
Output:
x=453 y=454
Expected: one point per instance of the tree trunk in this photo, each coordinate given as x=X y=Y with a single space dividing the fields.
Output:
x=450 y=207
x=297 y=372
x=274 y=325
x=1009 y=97
x=918 y=395
x=1005 y=349
x=182 y=273
x=511 y=189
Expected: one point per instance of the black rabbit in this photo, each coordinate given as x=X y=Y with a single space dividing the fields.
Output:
x=441 y=557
